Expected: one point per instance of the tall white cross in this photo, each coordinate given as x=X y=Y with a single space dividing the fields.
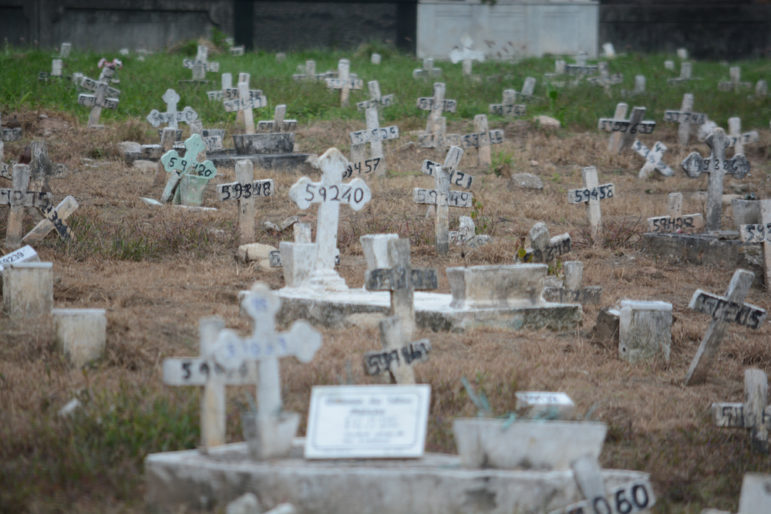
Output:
x=591 y=194
x=628 y=128
x=466 y=54
x=330 y=193
x=201 y=65
x=685 y=117
x=172 y=117
x=374 y=135
x=344 y=82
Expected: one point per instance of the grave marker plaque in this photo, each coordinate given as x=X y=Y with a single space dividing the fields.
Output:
x=675 y=220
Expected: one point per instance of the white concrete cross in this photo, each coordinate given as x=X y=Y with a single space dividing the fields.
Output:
x=639 y=86
x=591 y=194
x=109 y=68
x=761 y=89
x=685 y=74
x=627 y=128
x=237 y=50
x=330 y=193
x=528 y=88
x=442 y=196
x=509 y=106
x=187 y=165
x=717 y=166
x=375 y=98
x=201 y=64
x=571 y=290
x=18 y=196
x=761 y=233
x=427 y=71
x=244 y=104
x=685 y=116
x=374 y=135
x=279 y=123
x=98 y=100
x=396 y=331
x=546 y=249
x=736 y=139
x=723 y=310
x=753 y=414
x=436 y=125
x=481 y=139
x=172 y=117
x=675 y=220
x=735 y=82
x=266 y=346
x=226 y=83
x=466 y=54
x=654 y=159
x=245 y=189
x=344 y=81
x=682 y=53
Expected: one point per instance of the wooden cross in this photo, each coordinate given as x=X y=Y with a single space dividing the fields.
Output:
x=54 y=219
x=736 y=139
x=717 y=166
x=427 y=70
x=753 y=414
x=18 y=196
x=685 y=116
x=735 y=81
x=466 y=54
x=172 y=117
x=266 y=346
x=375 y=98
x=396 y=331
x=481 y=139
x=441 y=196
x=344 y=82
x=509 y=107
x=201 y=64
x=245 y=189
x=436 y=124
x=278 y=123
x=98 y=100
x=627 y=128
x=330 y=193
x=546 y=249
x=187 y=165
x=374 y=135
x=761 y=233
x=591 y=194
x=571 y=290
x=675 y=220
x=226 y=83
x=654 y=159
x=723 y=310
x=685 y=74
x=245 y=103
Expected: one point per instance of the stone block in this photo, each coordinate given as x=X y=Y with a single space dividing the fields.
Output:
x=375 y=248
x=645 y=330
x=255 y=252
x=605 y=331
x=28 y=289
x=745 y=212
x=525 y=181
x=496 y=286
x=81 y=334
x=275 y=142
x=297 y=260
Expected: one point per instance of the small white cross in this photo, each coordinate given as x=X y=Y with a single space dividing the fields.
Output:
x=245 y=189
x=654 y=159
x=344 y=82
x=509 y=106
x=675 y=220
x=172 y=117
x=98 y=100
x=466 y=54
x=375 y=98
x=685 y=116
x=374 y=135
x=18 y=196
x=736 y=138
x=761 y=233
x=591 y=194
x=753 y=414
x=428 y=70
x=244 y=104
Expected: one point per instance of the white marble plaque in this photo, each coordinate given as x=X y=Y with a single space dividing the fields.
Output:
x=367 y=422
x=23 y=254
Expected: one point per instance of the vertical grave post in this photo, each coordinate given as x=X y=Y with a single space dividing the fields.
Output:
x=591 y=194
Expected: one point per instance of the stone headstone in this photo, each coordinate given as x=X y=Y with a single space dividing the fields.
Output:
x=244 y=104
x=28 y=289
x=278 y=123
x=537 y=404
x=608 y=51
x=23 y=254
x=65 y=49
x=375 y=58
x=645 y=330
x=686 y=71
x=546 y=249
x=81 y=334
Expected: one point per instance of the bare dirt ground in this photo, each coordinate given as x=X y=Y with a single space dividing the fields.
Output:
x=158 y=270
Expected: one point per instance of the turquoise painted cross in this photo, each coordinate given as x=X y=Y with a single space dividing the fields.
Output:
x=187 y=165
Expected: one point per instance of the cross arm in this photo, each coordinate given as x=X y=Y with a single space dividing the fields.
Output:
x=238 y=190
x=720 y=308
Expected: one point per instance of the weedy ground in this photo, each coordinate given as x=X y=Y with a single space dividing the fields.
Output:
x=158 y=270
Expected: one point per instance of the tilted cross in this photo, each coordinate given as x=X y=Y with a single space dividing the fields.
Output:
x=245 y=189
x=344 y=82
x=736 y=139
x=717 y=166
x=201 y=65
x=685 y=74
x=546 y=249
x=18 y=196
x=278 y=123
x=55 y=219
x=723 y=310
x=753 y=414
x=172 y=117
x=591 y=194
x=401 y=280
x=628 y=128
x=571 y=290
x=761 y=233
x=436 y=124
x=685 y=116
x=98 y=100
x=676 y=221
x=187 y=165
x=466 y=54
x=654 y=159
x=427 y=71
x=509 y=107
x=442 y=196
x=375 y=98
x=735 y=81
x=245 y=103
x=330 y=193
x=374 y=135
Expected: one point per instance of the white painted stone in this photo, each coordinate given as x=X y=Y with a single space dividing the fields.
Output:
x=686 y=71
x=754 y=414
x=592 y=193
x=375 y=98
x=547 y=122
x=756 y=494
x=374 y=135
x=466 y=54
x=608 y=50
x=104 y=97
x=70 y=408
x=675 y=220
x=496 y=286
x=297 y=259
x=539 y=404
x=375 y=248
x=65 y=49
x=654 y=159
x=172 y=117
x=23 y=254
x=28 y=289
x=736 y=138
x=685 y=117
x=734 y=83
x=81 y=334
x=344 y=81
x=645 y=330
x=434 y=135
x=375 y=58
x=255 y=252
x=669 y=64
x=428 y=70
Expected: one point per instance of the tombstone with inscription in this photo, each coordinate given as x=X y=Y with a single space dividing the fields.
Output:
x=591 y=195
x=654 y=159
x=509 y=107
x=18 y=197
x=675 y=220
x=344 y=81
x=9 y=134
x=374 y=135
x=98 y=100
x=481 y=139
x=624 y=130
x=760 y=233
x=24 y=254
x=199 y=66
x=245 y=189
x=226 y=84
x=736 y=138
x=109 y=70
x=686 y=118
x=754 y=414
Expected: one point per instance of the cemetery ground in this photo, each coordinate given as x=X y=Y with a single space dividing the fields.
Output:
x=158 y=270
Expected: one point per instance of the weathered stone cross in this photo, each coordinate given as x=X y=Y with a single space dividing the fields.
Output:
x=330 y=193
x=509 y=107
x=685 y=116
x=226 y=83
x=187 y=165
x=754 y=414
x=65 y=49
x=654 y=159
x=628 y=129
x=172 y=117
x=245 y=103
x=278 y=123
x=374 y=135
x=685 y=73
x=55 y=219
x=309 y=71
x=723 y=310
x=761 y=233
x=375 y=98
x=735 y=81
x=441 y=196
x=344 y=82
x=396 y=331
x=481 y=139
x=736 y=139
x=436 y=124
x=591 y=194
x=676 y=221
x=580 y=67
x=245 y=189
x=546 y=249
x=717 y=166
x=466 y=54
x=201 y=65
x=427 y=70
x=98 y=100
x=18 y=196
x=571 y=290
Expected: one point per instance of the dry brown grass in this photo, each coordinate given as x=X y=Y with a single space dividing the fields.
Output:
x=157 y=271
